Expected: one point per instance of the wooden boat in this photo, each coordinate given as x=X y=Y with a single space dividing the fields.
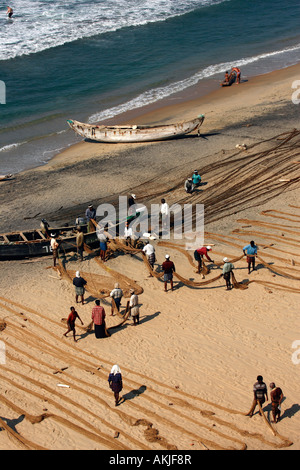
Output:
x=34 y=243
x=134 y=133
x=31 y=243
x=5 y=177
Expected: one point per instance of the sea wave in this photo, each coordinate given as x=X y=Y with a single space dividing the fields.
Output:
x=8 y=147
x=156 y=94
x=38 y=25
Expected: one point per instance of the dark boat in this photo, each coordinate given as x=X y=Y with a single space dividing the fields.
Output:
x=31 y=243
x=34 y=243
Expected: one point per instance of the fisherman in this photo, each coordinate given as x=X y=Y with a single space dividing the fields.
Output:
x=227 y=272
x=131 y=204
x=54 y=244
x=251 y=251
x=117 y=295
x=98 y=317
x=115 y=382
x=80 y=242
x=102 y=243
x=196 y=179
x=71 y=322
x=188 y=186
x=198 y=255
x=260 y=392
x=149 y=251
x=168 y=268
x=90 y=215
x=276 y=396
x=134 y=307
x=79 y=284
x=44 y=227
x=9 y=12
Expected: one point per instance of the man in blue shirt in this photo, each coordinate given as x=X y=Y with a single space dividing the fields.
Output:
x=251 y=251
x=196 y=178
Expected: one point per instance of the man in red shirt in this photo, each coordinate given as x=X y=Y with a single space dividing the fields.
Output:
x=71 y=322
x=98 y=317
x=168 y=268
x=198 y=255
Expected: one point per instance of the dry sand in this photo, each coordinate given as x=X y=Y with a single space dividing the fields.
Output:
x=189 y=366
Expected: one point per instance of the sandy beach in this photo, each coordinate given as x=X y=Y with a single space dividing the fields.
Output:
x=189 y=367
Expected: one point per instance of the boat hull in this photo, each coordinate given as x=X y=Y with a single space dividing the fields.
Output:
x=20 y=250
x=127 y=134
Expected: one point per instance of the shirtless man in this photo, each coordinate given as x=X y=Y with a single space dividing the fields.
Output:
x=9 y=12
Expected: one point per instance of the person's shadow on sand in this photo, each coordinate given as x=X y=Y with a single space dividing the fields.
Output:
x=132 y=394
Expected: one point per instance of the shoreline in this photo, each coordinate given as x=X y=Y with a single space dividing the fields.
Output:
x=94 y=172
x=195 y=101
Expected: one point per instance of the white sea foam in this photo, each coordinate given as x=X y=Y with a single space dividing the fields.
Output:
x=6 y=148
x=42 y=24
x=151 y=96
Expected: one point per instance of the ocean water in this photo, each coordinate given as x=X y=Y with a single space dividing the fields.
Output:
x=94 y=60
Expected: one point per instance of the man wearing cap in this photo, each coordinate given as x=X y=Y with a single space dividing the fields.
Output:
x=168 y=268
x=90 y=214
x=198 y=255
x=227 y=272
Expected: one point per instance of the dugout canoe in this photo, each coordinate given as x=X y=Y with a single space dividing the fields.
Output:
x=34 y=243
x=135 y=133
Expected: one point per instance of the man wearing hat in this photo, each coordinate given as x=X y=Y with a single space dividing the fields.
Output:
x=90 y=214
x=168 y=268
x=227 y=272
x=198 y=255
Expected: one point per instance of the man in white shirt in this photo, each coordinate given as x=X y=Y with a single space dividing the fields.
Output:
x=164 y=212
x=54 y=247
x=134 y=307
x=150 y=253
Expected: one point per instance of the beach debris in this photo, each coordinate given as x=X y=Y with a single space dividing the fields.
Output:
x=63 y=385
x=116 y=435
x=284 y=180
x=241 y=146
